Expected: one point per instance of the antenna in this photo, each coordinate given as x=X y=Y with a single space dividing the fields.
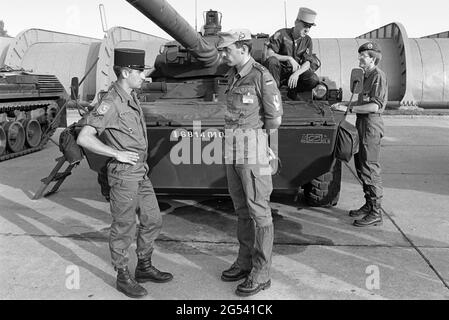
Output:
x=285 y=13
x=196 y=16
x=104 y=23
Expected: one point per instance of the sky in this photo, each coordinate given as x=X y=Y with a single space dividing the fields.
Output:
x=336 y=18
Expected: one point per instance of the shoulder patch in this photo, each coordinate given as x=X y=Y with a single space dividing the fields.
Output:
x=103 y=108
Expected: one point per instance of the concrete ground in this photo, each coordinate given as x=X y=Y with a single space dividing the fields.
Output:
x=56 y=247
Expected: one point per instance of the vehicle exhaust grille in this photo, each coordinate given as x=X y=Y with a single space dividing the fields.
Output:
x=49 y=84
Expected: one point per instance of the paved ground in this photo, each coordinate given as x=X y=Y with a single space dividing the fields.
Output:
x=317 y=253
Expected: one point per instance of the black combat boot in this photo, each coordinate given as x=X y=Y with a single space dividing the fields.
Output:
x=234 y=273
x=145 y=271
x=127 y=285
x=250 y=287
x=373 y=218
x=363 y=211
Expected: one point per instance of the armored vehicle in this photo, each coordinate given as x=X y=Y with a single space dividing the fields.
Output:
x=184 y=108
x=29 y=104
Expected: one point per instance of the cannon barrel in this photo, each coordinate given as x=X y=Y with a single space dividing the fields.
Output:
x=169 y=20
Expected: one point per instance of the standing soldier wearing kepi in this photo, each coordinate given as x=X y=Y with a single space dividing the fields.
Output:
x=370 y=106
x=120 y=117
x=253 y=104
x=290 y=55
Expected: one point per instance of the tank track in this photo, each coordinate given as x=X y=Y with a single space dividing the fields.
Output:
x=47 y=132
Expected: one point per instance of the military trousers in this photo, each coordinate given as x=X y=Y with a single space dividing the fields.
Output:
x=250 y=188
x=131 y=195
x=281 y=73
x=367 y=161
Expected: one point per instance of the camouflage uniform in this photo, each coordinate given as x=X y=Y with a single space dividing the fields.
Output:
x=120 y=119
x=252 y=97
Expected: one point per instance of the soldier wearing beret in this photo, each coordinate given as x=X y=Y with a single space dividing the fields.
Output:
x=253 y=106
x=369 y=108
x=120 y=121
x=290 y=55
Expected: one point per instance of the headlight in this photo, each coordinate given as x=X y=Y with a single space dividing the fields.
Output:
x=319 y=92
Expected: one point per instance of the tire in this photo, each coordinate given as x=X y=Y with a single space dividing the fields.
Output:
x=324 y=191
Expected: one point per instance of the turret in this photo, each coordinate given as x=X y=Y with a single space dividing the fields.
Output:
x=169 y=20
x=191 y=66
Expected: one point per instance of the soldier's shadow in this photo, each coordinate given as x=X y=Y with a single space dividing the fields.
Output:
x=214 y=220
x=26 y=221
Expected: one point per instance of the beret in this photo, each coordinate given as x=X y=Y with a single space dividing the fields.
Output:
x=370 y=46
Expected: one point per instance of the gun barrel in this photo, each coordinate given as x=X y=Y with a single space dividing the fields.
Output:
x=169 y=20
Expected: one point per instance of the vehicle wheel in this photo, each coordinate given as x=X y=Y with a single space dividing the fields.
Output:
x=324 y=191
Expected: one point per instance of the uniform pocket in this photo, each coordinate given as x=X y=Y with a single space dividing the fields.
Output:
x=119 y=190
x=118 y=171
x=373 y=151
x=251 y=90
x=244 y=96
x=232 y=115
x=371 y=144
x=262 y=183
x=124 y=197
x=130 y=122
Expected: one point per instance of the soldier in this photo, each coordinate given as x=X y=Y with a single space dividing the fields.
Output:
x=290 y=55
x=119 y=116
x=370 y=106
x=253 y=104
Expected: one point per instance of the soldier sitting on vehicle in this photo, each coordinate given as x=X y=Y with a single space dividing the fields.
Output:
x=290 y=55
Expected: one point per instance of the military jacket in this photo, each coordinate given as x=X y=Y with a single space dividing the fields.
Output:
x=252 y=97
x=120 y=119
x=282 y=42
x=375 y=89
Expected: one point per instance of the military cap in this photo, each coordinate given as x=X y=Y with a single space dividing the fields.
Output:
x=370 y=46
x=229 y=37
x=130 y=58
x=307 y=16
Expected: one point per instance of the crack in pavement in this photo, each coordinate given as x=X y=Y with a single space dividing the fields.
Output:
x=81 y=237
x=404 y=235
